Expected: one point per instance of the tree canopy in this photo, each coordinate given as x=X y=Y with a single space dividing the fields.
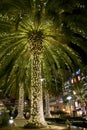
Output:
x=61 y=28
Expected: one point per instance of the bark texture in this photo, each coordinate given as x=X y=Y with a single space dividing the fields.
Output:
x=37 y=115
x=21 y=102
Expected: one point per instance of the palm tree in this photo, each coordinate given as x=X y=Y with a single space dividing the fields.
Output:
x=15 y=84
x=21 y=101
x=80 y=94
x=46 y=33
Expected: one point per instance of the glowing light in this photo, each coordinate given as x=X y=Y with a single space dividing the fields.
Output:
x=79 y=78
x=74 y=92
x=41 y=80
x=74 y=80
x=69 y=98
x=64 y=109
x=11 y=121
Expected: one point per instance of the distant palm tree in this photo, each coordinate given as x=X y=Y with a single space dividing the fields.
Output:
x=45 y=33
x=79 y=88
x=21 y=101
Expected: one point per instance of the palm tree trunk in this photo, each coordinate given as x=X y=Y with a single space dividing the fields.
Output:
x=21 y=101
x=37 y=116
x=47 y=105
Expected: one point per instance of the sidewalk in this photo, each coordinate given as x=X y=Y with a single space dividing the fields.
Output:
x=57 y=127
x=18 y=125
x=51 y=126
x=64 y=127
